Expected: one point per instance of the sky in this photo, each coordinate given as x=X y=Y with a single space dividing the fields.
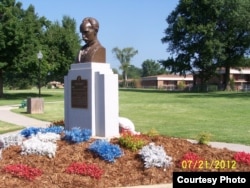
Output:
x=139 y=24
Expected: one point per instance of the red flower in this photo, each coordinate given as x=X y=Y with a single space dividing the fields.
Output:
x=242 y=157
x=85 y=169
x=22 y=171
x=190 y=161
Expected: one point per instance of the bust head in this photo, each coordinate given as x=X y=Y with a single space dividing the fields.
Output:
x=89 y=29
x=92 y=51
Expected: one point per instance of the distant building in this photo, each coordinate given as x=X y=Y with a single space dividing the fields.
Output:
x=55 y=84
x=240 y=78
x=167 y=81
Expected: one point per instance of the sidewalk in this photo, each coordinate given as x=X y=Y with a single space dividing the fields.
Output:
x=7 y=116
x=230 y=146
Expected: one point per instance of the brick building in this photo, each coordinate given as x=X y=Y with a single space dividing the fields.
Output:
x=167 y=81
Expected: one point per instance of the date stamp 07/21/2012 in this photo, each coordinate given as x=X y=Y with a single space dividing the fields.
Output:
x=205 y=164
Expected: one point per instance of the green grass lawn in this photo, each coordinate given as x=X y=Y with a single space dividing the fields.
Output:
x=225 y=115
x=53 y=111
x=8 y=127
x=16 y=96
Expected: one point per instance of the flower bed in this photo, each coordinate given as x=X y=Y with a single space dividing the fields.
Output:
x=75 y=164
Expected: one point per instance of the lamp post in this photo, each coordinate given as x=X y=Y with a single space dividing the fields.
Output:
x=39 y=57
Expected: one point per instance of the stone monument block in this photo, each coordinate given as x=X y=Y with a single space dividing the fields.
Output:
x=91 y=99
x=35 y=105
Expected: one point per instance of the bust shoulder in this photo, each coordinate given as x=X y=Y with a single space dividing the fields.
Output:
x=92 y=53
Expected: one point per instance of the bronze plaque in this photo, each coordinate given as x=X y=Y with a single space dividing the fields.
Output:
x=79 y=93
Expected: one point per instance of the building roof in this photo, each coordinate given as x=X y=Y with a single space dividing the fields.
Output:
x=235 y=71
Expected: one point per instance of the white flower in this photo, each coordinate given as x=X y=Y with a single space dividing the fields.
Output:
x=35 y=146
x=155 y=156
x=48 y=137
x=11 y=140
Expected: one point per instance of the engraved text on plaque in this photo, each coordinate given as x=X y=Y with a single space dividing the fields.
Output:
x=79 y=93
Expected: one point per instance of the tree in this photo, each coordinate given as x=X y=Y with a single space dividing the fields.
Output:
x=59 y=44
x=11 y=36
x=134 y=75
x=31 y=34
x=124 y=56
x=204 y=35
x=134 y=72
x=151 y=68
x=234 y=31
x=62 y=44
x=19 y=30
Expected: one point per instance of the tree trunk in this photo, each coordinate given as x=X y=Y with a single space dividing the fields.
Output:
x=124 y=75
x=126 y=79
x=1 y=83
x=227 y=79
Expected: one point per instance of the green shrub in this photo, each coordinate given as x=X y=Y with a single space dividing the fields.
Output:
x=152 y=132
x=130 y=141
x=204 y=138
x=181 y=85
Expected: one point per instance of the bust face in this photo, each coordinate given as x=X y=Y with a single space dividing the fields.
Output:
x=88 y=33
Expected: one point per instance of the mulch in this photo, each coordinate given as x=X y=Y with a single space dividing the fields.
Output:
x=127 y=170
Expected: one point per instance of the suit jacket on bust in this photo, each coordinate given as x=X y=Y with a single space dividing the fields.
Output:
x=93 y=52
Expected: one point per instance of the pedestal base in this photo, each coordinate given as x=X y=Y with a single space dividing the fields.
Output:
x=91 y=99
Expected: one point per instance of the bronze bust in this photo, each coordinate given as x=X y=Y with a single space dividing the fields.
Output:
x=92 y=51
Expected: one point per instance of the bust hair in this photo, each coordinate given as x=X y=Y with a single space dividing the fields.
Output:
x=93 y=22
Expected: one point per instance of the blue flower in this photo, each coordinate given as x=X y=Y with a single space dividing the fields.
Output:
x=106 y=150
x=76 y=135
x=53 y=129
x=30 y=131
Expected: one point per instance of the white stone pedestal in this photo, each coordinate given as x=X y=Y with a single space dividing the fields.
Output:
x=91 y=99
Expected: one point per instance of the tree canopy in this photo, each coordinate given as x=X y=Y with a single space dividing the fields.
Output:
x=22 y=31
x=151 y=68
x=203 y=35
x=134 y=72
x=62 y=42
x=22 y=34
